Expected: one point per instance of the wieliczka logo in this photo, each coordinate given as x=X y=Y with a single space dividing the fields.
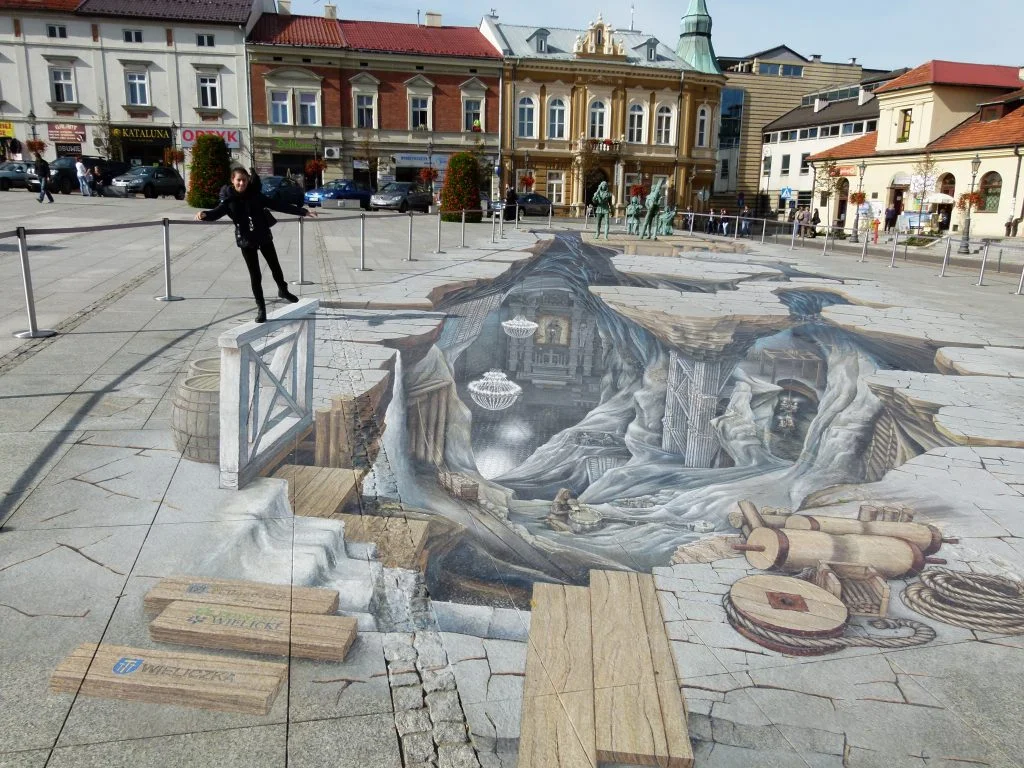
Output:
x=126 y=665
x=196 y=618
x=197 y=589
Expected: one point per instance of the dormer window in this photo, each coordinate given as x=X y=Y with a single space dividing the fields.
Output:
x=540 y=40
x=599 y=37
x=542 y=45
x=990 y=113
x=652 y=53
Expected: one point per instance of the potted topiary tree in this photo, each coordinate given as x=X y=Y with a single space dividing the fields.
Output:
x=461 y=190
x=210 y=170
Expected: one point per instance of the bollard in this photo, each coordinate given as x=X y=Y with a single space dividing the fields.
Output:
x=517 y=212
x=463 y=230
x=736 y=233
x=692 y=217
x=824 y=248
x=168 y=296
x=438 y=233
x=501 y=224
x=551 y=211
x=586 y=219
x=33 y=331
x=410 y=258
x=494 y=226
x=792 y=240
x=302 y=258
x=1020 y=285
x=999 y=261
x=362 y=242
x=864 y=249
x=984 y=260
x=895 y=245
x=764 y=229
x=945 y=256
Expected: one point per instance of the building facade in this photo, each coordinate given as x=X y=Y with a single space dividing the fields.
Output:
x=122 y=79
x=581 y=107
x=375 y=101
x=945 y=129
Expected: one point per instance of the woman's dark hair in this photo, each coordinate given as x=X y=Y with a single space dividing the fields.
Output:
x=239 y=172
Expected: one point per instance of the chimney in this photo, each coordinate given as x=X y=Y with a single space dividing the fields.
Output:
x=1020 y=73
x=863 y=96
x=815 y=57
x=330 y=11
x=432 y=19
x=853 y=59
x=819 y=104
x=284 y=7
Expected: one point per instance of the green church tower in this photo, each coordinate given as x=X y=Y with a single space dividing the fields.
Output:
x=695 y=40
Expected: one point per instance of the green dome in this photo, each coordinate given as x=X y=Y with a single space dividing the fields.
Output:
x=695 y=46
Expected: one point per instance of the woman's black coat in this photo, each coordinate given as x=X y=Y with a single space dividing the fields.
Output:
x=248 y=212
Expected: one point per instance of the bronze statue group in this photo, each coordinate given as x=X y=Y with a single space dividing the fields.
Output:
x=646 y=218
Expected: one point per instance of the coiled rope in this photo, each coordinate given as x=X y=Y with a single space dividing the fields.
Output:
x=969 y=600
x=797 y=645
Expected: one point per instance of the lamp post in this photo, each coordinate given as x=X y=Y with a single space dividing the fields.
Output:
x=318 y=180
x=32 y=123
x=965 y=241
x=526 y=162
x=174 y=144
x=860 y=185
x=430 y=166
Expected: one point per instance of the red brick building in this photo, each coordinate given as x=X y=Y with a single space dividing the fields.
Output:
x=377 y=101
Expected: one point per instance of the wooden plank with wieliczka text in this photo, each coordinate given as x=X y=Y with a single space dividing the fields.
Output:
x=247 y=594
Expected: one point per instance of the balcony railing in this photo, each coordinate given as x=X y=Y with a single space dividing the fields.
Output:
x=604 y=145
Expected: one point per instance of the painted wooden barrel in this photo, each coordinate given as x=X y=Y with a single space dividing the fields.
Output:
x=793 y=550
x=926 y=537
x=195 y=418
x=204 y=365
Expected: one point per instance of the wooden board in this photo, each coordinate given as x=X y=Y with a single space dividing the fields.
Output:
x=627 y=708
x=230 y=628
x=247 y=594
x=790 y=605
x=321 y=491
x=399 y=540
x=167 y=677
x=557 y=727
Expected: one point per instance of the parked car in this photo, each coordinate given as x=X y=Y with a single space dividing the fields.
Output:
x=340 y=189
x=150 y=180
x=14 y=174
x=282 y=189
x=533 y=204
x=63 y=175
x=401 y=196
x=109 y=170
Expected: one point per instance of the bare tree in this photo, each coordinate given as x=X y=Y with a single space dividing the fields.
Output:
x=367 y=150
x=922 y=181
x=826 y=183
x=107 y=139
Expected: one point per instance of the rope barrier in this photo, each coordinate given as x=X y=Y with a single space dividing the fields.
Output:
x=970 y=600
x=97 y=228
x=12 y=233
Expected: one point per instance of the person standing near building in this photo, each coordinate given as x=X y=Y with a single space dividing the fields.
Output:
x=83 y=177
x=42 y=169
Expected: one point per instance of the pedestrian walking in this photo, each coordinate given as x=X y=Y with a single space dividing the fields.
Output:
x=815 y=221
x=712 y=225
x=723 y=222
x=511 y=203
x=42 y=169
x=83 y=177
x=890 y=218
x=745 y=222
x=246 y=206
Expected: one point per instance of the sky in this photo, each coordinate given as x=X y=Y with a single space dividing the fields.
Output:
x=911 y=33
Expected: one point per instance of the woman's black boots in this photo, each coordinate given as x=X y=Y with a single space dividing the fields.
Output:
x=261 y=313
x=284 y=293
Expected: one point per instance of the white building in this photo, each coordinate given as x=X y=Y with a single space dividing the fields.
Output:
x=152 y=74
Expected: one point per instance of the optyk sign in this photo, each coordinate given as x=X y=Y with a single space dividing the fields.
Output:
x=231 y=136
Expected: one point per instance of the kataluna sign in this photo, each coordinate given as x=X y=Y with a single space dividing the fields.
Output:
x=231 y=137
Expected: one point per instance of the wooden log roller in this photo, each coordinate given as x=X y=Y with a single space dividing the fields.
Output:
x=925 y=537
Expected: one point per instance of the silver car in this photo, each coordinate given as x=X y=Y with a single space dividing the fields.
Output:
x=14 y=174
x=402 y=196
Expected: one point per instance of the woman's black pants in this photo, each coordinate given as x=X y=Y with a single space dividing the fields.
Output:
x=252 y=263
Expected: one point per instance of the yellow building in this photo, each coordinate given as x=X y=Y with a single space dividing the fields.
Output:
x=598 y=104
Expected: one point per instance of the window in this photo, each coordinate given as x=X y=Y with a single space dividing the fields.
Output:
x=858 y=127
x=808 y=133
x=132 y=35
x=787 y=135
x=988 y=114
x=829 y=130
x=766 y=166
x=470 y=113
x=904 y=125
x=731 y=115
x=556 y=119
x=847 y=129
x=702 y=127
x=804 y=199
x=598 y=38
x=57 y=31
x=308 y=112
x=364 y=111
x=784 y=170
x=766 y=138
x=204 y=41
x=635 y=131
x=63 y=86
x=525 y=118
x=792 y=70
x=871 y=125
x=990 y=189
x=724 y=174
x=805 y=167
x=419 y=107
x=138 y=88
x=597 y=113
x=652 y=53
x=280 y=108
x=209 y=91
x=663 y=127
x=823 y=201
x=768 y=69
x=556 y=187
x=542 y=44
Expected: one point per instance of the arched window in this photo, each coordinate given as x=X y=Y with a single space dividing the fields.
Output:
x=526 y=118
x=556 y=119
x=597 y=114
x=702 y=127
x=635 y=134
x=663 y=126
x=990 y=189
x=947 y=184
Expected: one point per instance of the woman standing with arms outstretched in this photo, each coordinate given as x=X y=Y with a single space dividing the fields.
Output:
x=246 y=206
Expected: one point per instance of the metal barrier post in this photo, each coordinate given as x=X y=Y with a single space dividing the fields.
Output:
x=302 y=258
x=895 y=245
x=409 y=257
x=984 y=260
x=824 y=248
x=864 y=249
x=792 y=240
x=517 y=212
x=463 y=230
x=764 y=229
x=736 y=234
x=1020 y=285
x=551 y=211
x=945 y=256
x=362 y=242
x=33 y=331
x=586 y=219
x=501 y=223
x=438 y=233
x=494 y=225
x=168 y=296
x=692 y=217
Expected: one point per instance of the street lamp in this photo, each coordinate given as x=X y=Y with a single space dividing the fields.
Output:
x=526 y=160
x=965 y=241
x=430 y=165
x=860 y=185
x=32 y=123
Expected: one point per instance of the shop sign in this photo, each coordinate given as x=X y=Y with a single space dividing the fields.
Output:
x=6 y=130
x=67 y=148
x=418 y=160
x=137 y=135
x=231 y=136
x=845 y=170
x=360 y=165
x=71 y=133
x=287 y=144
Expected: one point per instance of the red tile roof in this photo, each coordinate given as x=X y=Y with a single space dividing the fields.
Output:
x=974 y=134
x=939 y=72
x=390 y=37
x=38 y=5
x=313 y=31
x=207 y=11
x=863 y=146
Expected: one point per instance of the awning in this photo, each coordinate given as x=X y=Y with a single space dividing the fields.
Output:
x=939 y=198
x=900 y=180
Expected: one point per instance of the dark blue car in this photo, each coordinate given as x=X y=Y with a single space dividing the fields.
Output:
x=340 y=189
